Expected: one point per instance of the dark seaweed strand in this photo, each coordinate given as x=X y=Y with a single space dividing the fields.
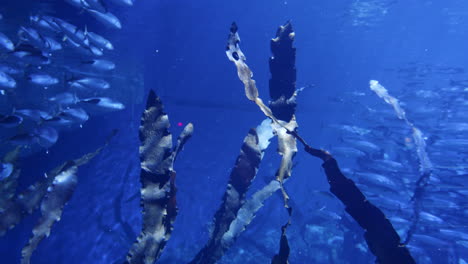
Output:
x=282 y=86
x=418 y=194
x=381 y=237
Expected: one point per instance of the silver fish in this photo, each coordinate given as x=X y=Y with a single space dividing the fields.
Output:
x=100 y=41
x=10 y=121
x=42 y=79
x=76 y=3
x=6 y=81
x=65 y=99
x=101 y=65
x=56 y=121
x=45 y=24
x=32 y=36
x=10 y=70
x=348 y=152
x=97 y=5
x=46 y=136
x=6 y=169
x=103 y=102
x=74 y=115
x=6 y=43
x=30 y=55
x=107 y=19
x=123 y=2
x=89 y=82
x=33 y=114
x=52 y=44
x=71 y=31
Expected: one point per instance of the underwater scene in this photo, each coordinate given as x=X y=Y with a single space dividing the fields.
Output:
x=233 y=132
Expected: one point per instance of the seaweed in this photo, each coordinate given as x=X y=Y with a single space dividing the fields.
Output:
x=157 y=176
x=63 y=184
x=425 y=164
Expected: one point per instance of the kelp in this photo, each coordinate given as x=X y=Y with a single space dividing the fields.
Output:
x=63 y=185
x=282 y=84
x=27 y=201
x=283 y=254
x=9 y=184
x=425 y=164
x=240 y=179
x=157 y=176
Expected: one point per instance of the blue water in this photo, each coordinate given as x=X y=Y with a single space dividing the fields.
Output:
x=415 y=49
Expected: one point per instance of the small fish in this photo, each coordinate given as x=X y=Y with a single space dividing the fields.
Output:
x=52 y=44
x=6 y=169
x=30 y=54
x=103 y=102
x=10 y=70
x=107 y=18
x=101 y=65
x=65 y=99
x=74 y=115
x=89 y=51
x=32 y=36
x=10 y=121
x=6 y=81
x=123 y=2
x=376 y=179
x=73 y=32
x=56 y=121
x=100 y=41
x=6 y=43
x=42 y=79
x=33 y=114
x=431 y=218
x=90 y=83
x=348 y=152
x=97 y=5
x=45 y=24
x=46 y=136
x=23 y=139
x=76 y=3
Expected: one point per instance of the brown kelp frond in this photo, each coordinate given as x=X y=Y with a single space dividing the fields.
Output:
x=287 y=148
x=24 y=203
x=235 y=54
x=64 y=181
x=247 y=212
x=51 y=208
x=242 y=175
x=157 y=177
x=9 y=184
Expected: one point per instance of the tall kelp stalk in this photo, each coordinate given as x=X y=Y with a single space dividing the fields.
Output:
x=157 y=176
x=425 y=164
x=57 y=190
x=282 y=88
